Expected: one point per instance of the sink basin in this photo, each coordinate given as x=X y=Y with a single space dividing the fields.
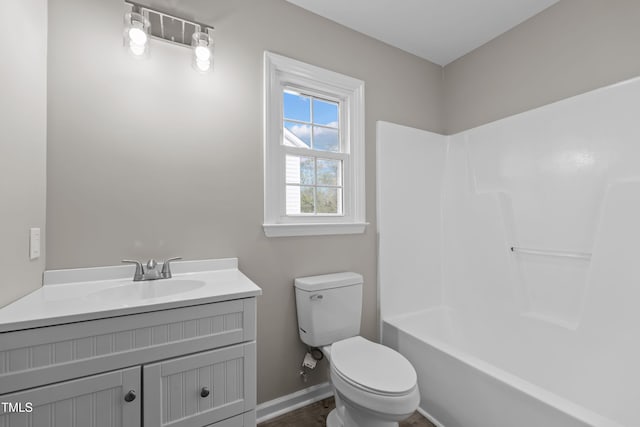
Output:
x=147 y=290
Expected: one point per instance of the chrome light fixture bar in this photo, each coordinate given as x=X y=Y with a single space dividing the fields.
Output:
x=163 y=26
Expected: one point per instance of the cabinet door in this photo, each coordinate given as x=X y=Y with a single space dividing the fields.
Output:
x=200 y=389
x=97 y=401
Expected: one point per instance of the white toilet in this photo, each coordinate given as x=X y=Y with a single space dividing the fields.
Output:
x=374 y=385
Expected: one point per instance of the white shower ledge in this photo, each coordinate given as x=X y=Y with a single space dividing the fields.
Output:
x=95 y=293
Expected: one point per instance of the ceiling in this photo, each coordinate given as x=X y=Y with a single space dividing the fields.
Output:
x=440 y=31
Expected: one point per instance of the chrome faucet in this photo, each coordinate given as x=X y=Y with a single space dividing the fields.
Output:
x=151 y=271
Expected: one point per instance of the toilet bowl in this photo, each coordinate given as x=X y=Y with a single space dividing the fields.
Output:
x=374 y=385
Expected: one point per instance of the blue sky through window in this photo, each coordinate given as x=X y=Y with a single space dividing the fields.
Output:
x=325 y=113
x=297 y=108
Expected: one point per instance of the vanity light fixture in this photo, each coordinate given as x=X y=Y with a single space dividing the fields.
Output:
x=143 y=23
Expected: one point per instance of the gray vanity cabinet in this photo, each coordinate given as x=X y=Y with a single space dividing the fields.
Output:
x=95 y=401
x=198 y=365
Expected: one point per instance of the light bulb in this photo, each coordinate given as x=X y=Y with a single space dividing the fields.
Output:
x=136 y=33
x=137 y=36
x=136 y=49
x=203 y=65
x=203 y=53
x=202 y=57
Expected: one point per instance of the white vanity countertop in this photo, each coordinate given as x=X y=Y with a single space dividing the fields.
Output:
x=95 y=293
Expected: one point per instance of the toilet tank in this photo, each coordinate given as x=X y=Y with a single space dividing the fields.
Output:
x=329 y=307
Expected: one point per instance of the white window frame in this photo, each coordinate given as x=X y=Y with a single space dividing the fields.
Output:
x=281 y=72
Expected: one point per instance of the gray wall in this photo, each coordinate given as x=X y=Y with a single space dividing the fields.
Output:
x=150 y=159
x=570 y=48
x=23 y=106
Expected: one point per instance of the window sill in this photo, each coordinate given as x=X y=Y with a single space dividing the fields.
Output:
x=287 y=230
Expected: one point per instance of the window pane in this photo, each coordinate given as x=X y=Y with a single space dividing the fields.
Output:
x=307 y=202
x=329 y=200
x=300 y=170
x=297 y=135
x=296 y=107
x=293 y=200
x=325 y=113
x=300 y=200
x=329 y=172
x=326 y=139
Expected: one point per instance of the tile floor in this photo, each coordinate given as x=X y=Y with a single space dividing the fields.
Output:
x=316 y=414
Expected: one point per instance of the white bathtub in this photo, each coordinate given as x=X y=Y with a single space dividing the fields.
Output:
x=486 y=371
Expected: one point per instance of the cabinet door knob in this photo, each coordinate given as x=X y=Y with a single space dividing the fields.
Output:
x=204 y=392
x=130 y=396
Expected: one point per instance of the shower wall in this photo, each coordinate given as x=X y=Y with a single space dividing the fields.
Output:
x=563 y=179
x=409 y=172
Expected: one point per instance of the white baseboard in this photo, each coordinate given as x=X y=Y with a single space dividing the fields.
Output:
x=276 y=407
x=429 y=417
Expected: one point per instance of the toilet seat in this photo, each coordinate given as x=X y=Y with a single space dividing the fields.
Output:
x=386 y=407
x=372 y=367
x=375 y=378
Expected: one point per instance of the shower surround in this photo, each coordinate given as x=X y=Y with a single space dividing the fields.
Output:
x=508 y=263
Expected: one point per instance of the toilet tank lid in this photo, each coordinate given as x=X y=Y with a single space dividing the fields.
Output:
x=328 y=281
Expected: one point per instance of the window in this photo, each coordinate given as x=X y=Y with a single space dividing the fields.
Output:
x=313 y=177
x=314 y=150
